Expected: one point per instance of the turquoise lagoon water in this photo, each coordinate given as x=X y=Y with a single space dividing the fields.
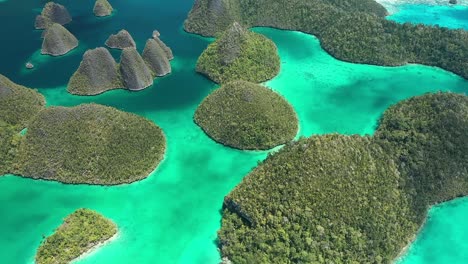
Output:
x=174 y=214
x=443 y=15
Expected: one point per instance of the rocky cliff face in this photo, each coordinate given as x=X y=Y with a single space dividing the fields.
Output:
x=156 y=58
x=58 y=41
x=102 y=8
x=135 y=73
x=52 y=13
x=121 y=40
x=98 y=72
x=166 y=49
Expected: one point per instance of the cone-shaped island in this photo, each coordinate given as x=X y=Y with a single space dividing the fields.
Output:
x=249 y=116
x=98 y=72
x=135 y=73
x=239 y=54
x=156 y=58
x=58 y=41
x=121 y=40
x=102 y=8
x=52 y=13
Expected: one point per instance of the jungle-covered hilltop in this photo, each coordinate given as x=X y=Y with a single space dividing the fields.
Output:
x=91 y=144
x=239 y=54
x=80 y=232
x=18 y=105
x=246 y=115
x=350 y=30
x=351 y=199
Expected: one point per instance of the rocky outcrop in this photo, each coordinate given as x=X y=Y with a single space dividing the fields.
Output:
x=58 y=41
x=102 y=8
x=156 y=58
x=166 y=49
x=52 y=13
x=121 y=40
x=135 y=73
x=98 y=72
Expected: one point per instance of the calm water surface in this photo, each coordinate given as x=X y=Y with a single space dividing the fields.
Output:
x=174 y=214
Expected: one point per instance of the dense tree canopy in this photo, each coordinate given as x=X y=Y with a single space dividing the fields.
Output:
x=245 y=115
x=429 y=136
x=326 y=199
x=342 y=199
x=350 y=30
x=18 y=105
x=239 y=54
x=91 y=144
x=79 y=232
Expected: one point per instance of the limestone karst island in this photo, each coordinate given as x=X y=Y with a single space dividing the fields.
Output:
x=234 y=131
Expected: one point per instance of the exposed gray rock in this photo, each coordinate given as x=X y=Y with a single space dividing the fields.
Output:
x=166 y=49
x=58 y=41
x=135 y=73
x=121 y=40
x=52 y=13
x=156 y=34
x=29 y=65
x=102 y=8
x=98 y=72
x=156 y=58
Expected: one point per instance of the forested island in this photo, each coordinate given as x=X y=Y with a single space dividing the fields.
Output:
x=351 y=199
x=99 y=72
x=246 y=115
x=239 y=54
x=91 y=144
x=81 y=231
x=350 y=30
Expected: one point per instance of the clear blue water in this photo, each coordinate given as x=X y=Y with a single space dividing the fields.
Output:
x=443 y=15
x=174 y=214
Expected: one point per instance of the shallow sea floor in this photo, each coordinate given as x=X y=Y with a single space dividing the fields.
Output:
x=443 y=15
x=174 y=214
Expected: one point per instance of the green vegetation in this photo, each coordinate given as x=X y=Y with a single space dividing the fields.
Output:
x=91 y=144
x=102 y=8
x=9 y=141
x=429 y=135
x=342 y=199
x=327 y=199
x=79 y=232
x=18 y=104
x=245 y=115
x=350 y=30
x=98 y=72
x=239 y=54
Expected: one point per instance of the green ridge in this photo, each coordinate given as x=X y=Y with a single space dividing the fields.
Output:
x=91 y=144
x=350 y=30
x=245 y=115
x=239 y=54
x=79 y=232
x=345 y=199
